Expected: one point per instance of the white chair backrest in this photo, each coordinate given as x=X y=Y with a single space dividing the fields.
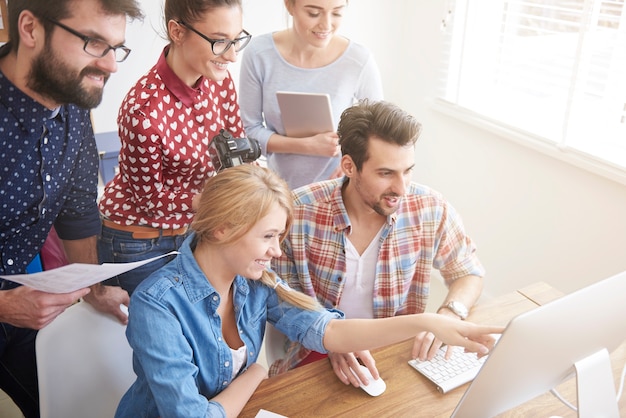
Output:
x=84 y=364
x=276 y=344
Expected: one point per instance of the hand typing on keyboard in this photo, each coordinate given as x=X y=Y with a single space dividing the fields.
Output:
x=448 y=374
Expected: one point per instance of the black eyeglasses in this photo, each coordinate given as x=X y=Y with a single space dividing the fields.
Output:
x=94 y=46
x=220 y=46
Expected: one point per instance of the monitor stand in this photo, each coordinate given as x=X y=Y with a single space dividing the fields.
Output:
x=596 y=390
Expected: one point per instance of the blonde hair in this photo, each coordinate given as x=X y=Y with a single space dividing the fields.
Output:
x=236 y=199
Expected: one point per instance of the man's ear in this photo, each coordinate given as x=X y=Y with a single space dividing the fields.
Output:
x=30 y=29
x=348 y=166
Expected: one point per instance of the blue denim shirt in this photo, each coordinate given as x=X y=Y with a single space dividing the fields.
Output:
x=179 y=355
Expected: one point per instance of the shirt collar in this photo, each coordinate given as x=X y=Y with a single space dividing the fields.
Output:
x=195 y=282
x=183 y=92
x=56 y=112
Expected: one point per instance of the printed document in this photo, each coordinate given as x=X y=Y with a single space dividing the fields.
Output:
x=76 y=275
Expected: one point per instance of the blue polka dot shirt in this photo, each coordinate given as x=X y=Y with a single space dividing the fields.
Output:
x=48 y=176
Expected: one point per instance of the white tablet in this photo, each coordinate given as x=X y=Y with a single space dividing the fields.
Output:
x=305 y=114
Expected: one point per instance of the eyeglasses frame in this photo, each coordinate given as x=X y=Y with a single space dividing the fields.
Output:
x=231 y=42
x=88 y=39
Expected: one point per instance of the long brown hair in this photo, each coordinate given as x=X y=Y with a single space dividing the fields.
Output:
x=191 y=11
x=237 y=198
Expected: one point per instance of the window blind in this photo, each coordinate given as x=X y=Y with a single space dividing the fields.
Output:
x=555 y=69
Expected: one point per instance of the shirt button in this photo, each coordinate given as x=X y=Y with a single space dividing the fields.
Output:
x=215 y=298
x=224 y=383
x=45 y=140
x=9 y=262
x=251 y=353
x=226 y=364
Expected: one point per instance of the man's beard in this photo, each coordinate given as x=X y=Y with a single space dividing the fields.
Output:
x=52 y=78
x=379 y=209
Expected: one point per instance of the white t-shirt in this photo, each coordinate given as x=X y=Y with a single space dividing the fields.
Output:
x=357 y=298
x=239 y=359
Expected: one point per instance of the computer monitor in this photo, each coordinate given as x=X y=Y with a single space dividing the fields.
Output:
x=541 y=348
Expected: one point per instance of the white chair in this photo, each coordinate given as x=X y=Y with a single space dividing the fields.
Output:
x=84 y=364
x=275 y=344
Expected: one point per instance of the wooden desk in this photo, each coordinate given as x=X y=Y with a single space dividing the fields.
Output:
x=314 y=390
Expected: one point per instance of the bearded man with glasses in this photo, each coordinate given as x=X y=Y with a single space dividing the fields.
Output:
x=52 y=71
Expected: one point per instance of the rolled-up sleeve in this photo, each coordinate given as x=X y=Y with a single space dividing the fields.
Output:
x=303 y=326
x=79 y=217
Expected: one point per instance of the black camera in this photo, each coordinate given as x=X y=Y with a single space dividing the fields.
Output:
x=227 y=151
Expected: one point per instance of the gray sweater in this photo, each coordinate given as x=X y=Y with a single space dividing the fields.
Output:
x=352 y=77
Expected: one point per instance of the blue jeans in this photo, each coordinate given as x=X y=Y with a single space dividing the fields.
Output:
x=115 y=246
x=18 y=367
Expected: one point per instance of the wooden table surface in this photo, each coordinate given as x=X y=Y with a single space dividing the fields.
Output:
x=314 y=390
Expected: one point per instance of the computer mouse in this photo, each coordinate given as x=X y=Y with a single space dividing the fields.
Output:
x=375 y=386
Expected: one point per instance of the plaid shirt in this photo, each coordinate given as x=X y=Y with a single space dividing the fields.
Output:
x=424 y=233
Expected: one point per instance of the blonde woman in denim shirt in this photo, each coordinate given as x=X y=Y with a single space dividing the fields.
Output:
x=196 y=325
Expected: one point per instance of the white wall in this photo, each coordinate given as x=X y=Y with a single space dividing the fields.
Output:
x=145 y=39
x=533 y=217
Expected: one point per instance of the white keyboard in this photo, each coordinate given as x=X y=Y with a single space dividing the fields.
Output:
x=449 y=374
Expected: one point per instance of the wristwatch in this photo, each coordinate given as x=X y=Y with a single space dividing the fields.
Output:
x=457 y=308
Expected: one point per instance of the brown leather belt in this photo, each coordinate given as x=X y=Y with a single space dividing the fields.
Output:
x=144 y=232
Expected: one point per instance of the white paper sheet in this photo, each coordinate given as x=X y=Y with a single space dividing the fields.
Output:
x=76 y=276
x=268 y=414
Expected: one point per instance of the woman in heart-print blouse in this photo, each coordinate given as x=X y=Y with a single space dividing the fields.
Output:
x=166 y=123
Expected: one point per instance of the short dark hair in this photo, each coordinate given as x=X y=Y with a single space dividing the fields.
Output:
x=57 y=10
x=380 y=119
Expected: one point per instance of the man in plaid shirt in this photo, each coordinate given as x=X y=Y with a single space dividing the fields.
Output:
x=366 y=243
